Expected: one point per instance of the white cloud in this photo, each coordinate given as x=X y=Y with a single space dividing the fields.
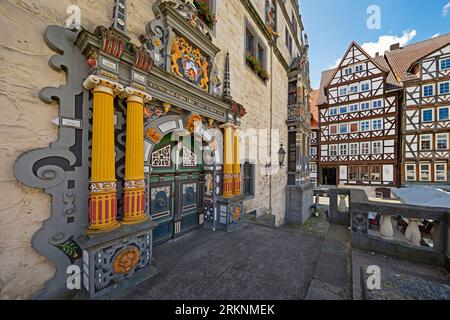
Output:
x=446 y=9
x=436 y=35
x=383 y=44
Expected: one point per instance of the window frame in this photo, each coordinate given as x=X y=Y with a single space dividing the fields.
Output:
x=422 y=138
x=376 y=101
x=353 y=105
x=361 y=129
x=447 y=62
x=350 y=173
x=423 y=112
x=364 y=103
x=343 y=149
x=335 y=113
x=343 y=125
x=428 y=86
x=444 y=83
x=375 y=145
x=357 y=127
x=343 y=107
x=363 y=146
x=444 y=171
x=379 y=172
x=373 y=125
x=420 y=171
x=363 y=84
x=437 y=141
x=353 y=149
x=414 y=170
x=439 y=113
x=331 y=150
x=334 y=126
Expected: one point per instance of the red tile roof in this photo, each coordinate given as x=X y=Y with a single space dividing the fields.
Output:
x=401 y=60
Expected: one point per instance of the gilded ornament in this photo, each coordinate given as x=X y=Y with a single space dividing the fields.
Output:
x=126 y=260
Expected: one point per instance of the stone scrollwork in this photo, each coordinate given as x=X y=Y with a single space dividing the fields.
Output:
x=62 y=168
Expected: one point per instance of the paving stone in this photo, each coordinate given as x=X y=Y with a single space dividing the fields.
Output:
x=332 y=268
x=319 y=290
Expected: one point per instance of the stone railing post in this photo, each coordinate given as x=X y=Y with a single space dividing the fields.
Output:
x=386 y=229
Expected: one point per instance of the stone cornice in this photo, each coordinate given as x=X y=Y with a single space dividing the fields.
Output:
x=262 y=27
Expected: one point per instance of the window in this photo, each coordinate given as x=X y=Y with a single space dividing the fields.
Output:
x=353 y=173
x=333 y=129
x=343 y=128
x=442 y=141
x=375 y=173
x=427 y=115
x=425 y=172
x=377 y=124
x=292 y=151
x=343 y=91
x=440 y=171
x=250 y=42
x=425 y=142
x=443 y=114
x=428 y=90
x=313 y=167
x=333 y=150
x=364 y=173
x=292 y=94
x=343 y=109
x=261 y=56
x=343 y=149
x=248 y=177
x=365 y=106
x=444 y=88
x=354 y=127
x=359 y=68
x=288 y=40
x=410 y=172
x=377 y=104
x=365 y=148
x=353 y=107
x=365 y=87
x=348 y=71
x=445 y=64
x=353 y=89
x=313 y=151
x=313 y=135
x=376 y=147
x=365 y=125
x=333 y=111
x=353 y=149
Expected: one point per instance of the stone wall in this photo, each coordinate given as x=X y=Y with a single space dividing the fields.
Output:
x=26 y=121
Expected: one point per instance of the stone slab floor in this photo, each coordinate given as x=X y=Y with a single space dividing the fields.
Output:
x=255 y=262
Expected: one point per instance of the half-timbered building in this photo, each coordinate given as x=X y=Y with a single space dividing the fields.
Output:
x=423 y=69
x=313 y=150
x=358 y=119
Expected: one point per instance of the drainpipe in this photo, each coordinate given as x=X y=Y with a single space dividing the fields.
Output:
x=270 y=124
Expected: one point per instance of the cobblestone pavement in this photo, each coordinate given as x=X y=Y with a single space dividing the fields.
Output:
x=255 y=262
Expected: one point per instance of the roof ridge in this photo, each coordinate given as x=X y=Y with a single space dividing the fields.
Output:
x=424 y=40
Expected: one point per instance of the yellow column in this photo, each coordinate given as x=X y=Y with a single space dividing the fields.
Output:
x=227 y=160
x=236 y=164
x=103 y=195
x=134 y=189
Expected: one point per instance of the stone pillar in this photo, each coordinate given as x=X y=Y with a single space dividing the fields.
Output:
x=386 y=229
x=103 y=192
x=236 y=164
x=134 y=188
x=412 y=233
x=227 y=160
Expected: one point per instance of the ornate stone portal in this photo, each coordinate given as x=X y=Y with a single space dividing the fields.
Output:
x=119 y=103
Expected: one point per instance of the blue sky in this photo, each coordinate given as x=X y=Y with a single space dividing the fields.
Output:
x=332 y=24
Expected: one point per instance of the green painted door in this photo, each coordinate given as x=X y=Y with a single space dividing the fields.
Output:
x=175 y=187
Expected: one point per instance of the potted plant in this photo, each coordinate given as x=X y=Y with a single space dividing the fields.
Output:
x=204 y=13
x=257 y=67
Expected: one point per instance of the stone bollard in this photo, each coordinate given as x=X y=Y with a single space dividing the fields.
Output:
x=342 y=206
x=386 y=229
x=412 y=233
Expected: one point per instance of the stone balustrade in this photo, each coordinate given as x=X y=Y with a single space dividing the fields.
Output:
x=395 y=229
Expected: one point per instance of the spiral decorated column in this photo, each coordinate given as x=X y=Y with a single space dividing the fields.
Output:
x=236 y=164
x=134 y=188
x=227 y=160
x=103 y=192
